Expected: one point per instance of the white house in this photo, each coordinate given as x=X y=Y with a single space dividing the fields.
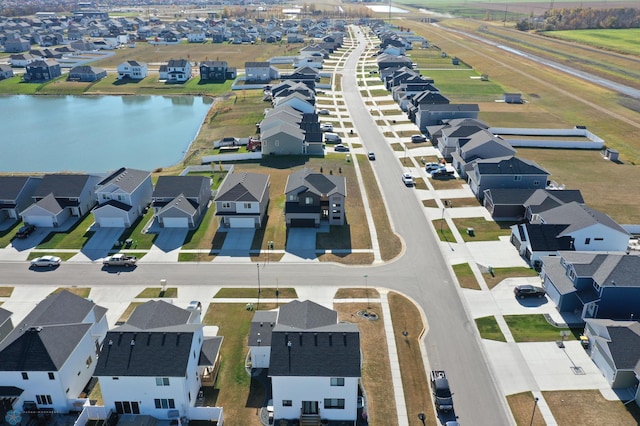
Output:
x=49 y=358
x=176 y=71
x=22 y=59
x=133 y=69
x=156 y=363
x=314 y=362
x=196 y=36
x=122 y=197
x=308 y=61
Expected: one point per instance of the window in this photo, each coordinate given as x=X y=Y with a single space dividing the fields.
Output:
x=226 y=205
x=517 y=178
x=598 y=239
x=247 y=205
x=51 y=376
x=25 y=376
x=335 y=403
x=44 y=399
x=536 y=183
x=164 y=403
x=287 y=403
x=308 y=200
x=587 y=240
x=162 y=381
x=337 y=381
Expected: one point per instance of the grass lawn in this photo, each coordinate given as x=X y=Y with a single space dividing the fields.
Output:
x=252 y=292
x=142 y=241
x=7 y=235
x=488 y=329
x=153 y=292
x=439 y=184
x=500 y=274
x=75 y=238
x=78 y=291
x=464 y=202
x=195 y=257
x=429 y=203
x=443 y=230
x=356 y=293
x=64 y=255
x=619 y=40
x=465 y=276
x=485 y=230
x=15 y=86
x=202 y=238
x=6 y=291
x=593 y=409
x=522 y=404
x=534 y=328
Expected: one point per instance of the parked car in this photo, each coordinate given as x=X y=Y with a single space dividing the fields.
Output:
x=332 y=138
x=523 y=291
x=25 y=231
x=407 y=179
x=442 y=172
x=326 y=127
x=418 y=138
x=323 y=112
x=119 y=259
x=341 y=148
x=429 y=167
x=46 y=261
x=371 y=155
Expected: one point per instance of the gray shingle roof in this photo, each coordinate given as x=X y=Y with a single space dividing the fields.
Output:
x=10 y=186
x=62 y=185
x=262 y=326
x=4 y=315
x=625 y=345
x=157 y=314
x=50 y=204
x=210 y=350
x=509 y=166
x=172 y=186
x=548 y=237
x=243 y=187
x=316 y=182
x=126 y=179
x=579 y=216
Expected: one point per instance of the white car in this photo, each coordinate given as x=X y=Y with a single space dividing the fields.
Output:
x=323 y=112
x=418 y=138
x=46 y=261
x=326 y=127
x=430 y=167
x=407 y=179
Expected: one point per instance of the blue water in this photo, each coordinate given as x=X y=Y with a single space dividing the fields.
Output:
x=96 y=133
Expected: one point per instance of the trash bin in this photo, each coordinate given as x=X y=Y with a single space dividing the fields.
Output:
x=127 y=243
x=471 y=232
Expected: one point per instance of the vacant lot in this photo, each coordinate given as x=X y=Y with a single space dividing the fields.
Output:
x=619 y=40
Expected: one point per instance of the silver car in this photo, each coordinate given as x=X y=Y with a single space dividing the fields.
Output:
x=46 y=261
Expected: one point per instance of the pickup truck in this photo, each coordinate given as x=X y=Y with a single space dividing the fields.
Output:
x=441 y=392
x=119 y=260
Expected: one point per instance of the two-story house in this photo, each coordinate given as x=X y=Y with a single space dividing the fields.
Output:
x=216 y=71
x=134 y=70
x=260 y=72
x=50 y=357
x=313 y=197
x=122 y=197
x=176 y=71
x=242 y=200
x=42 y=70
x=15 y=195
x=181 y=201
x=479 y=145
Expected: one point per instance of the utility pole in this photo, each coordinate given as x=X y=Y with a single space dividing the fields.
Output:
x=258 y=267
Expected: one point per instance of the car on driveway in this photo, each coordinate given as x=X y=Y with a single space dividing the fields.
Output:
x=25 y=231
x=323 y=112
x=341 y=148
x=46 y=261
x=418 y=138
x=523 y=291
x=430 y=167
x=371 y=155
x=326 y=127
x=407 y=179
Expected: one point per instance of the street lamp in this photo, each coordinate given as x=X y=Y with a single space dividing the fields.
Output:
x=422 y=417
x=366 y=290
x=535 y=404
x=258 y=268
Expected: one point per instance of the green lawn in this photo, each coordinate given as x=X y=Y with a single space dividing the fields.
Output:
x=620 y=40
x=7 y=235
x=153 y=292
x=535 y=328
x=249 y=292
x=465 y=276
x=75 y=238
x=141 y=240
x=465 y=85
x=484 y=230
x=488 y=329
x=15 y=86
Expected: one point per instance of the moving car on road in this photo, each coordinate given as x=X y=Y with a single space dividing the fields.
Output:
x=371 y=155
x=523 y=291
x=408 y=179
x=46 y=261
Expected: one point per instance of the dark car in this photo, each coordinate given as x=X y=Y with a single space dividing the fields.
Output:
x=523 y=291
x=25 y=231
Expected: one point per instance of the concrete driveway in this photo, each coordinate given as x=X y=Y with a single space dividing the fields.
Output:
x=19 y=248
x=237 y=245
x=99 y=244
x=166 y=246
x=301 y=244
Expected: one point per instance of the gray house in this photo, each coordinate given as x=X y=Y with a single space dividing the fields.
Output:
x=516 y=204
x=15 y=195
x=86 y=73
x=181 y=201
x=242 y=200
x=122 y=197
x=505 y=172
x=261 y=72
x=5 y=72
x=479 y=145
x=282 y=139
x=313 y=197
x=430 y=114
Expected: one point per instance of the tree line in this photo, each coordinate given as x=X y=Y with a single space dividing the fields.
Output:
x=582 y=19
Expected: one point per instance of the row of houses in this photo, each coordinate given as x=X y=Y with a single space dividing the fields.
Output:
x=159 y=362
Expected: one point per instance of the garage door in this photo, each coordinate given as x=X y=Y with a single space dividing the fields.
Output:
x=302 y=223
x=242 y=222
x=111 y=222
x=175 y=222
x=42 y=221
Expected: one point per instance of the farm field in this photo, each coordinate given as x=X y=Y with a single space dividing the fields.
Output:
x=620 y=40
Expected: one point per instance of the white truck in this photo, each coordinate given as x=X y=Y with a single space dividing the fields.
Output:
x=442 y=396
x=119 y=260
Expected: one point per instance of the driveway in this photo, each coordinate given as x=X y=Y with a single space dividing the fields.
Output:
x=19 y=249
x=237 y=245
x=167 y=245
x=99 y=244
x=301 y=245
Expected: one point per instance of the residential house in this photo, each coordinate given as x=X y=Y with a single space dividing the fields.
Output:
x=308 y=61
x=593 y=284
x=86 y=73
x=314 y=363
x=312 y=198
x=314 y=50
x=451 y=137
x=298 y=101
x=181 y=201
x=42 y=70
x=313 y=135
x=49 y=358
x=15 y=195
x=134 y=70
x=59 y=197
x=5 y=328
x=83 y=46
x=176 y=71
x=516 y=204
x=260 y=333
x=571 y=226
x=242 y=200
x=505 y=172
x=22 y=59
x=16 y=44
x=480 y=145
x=419 y=100
x=216 y=71
x=122 y=198
x=260 y=72
x=614 y=347
x=156 y=363
x=430 y=114
x=196 y=36
x=282 y=139
x=5 y=71
x=393 y=61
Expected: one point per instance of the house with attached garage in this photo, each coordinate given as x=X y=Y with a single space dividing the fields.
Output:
x=59 y=197
x=480 y=145
x=42 y=70
x=134 y=70
x=593 y=284
x=282 y=139
x=517 y=204
x=260 y=72
x=49 y=358
x=297 y=101
x=22 y=59
x=450 y=137
x=314 y=362
x=312 y=198
x=175 y=71
x=242 y=200
x=157 y=363
x=614 y=347
x=86 y=73
x=569 y=227
x=16 y=194
x=122 y=197
x=5 y=72
x=181 y=201
x=216 y=71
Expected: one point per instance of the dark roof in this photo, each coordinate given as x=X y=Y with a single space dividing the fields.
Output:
x=62 y=185
x=547 y=237
x=316 y=182
x=243 y=187
x=129 y=353
x=606 y=269
x=10 y=186
x=126 y=179
x=306 y=315
x=509 y=166
x=10 y=392
x=625 y=345
x=4 y=315
x=261 y=328
x=510 y=196
x=156 y=314
x=172 y=186
x=579 y=216
x=210 y=350
x=116 y=204
x=257 y=64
